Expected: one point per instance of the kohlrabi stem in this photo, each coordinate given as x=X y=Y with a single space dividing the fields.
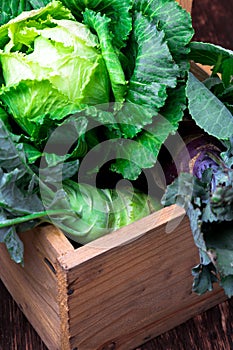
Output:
x=29 y=217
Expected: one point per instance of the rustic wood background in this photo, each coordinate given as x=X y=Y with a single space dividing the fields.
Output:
x=213 y=329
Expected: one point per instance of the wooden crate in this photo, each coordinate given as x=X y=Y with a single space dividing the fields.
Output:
x=114 y=293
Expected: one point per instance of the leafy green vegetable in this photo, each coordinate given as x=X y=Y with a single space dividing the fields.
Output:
x=100 y=25
x=216 y=56
x=154 y=63
x=17 y=195
x=38 y=60
x=132 y=54
x=117 y=11
x=12 y=9
x=24 y=102
x=142 y=151
x=82 y=211
x=208 y=111
x=209 y=205
x=203 y=278
x=154 y=72
x=174 y=21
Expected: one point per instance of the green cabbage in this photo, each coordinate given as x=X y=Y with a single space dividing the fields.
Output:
x=47 y=56
x=69 y=66
x=126 y=58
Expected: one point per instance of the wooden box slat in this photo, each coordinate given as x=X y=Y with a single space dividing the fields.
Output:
x=114 y=293
x=34 y=286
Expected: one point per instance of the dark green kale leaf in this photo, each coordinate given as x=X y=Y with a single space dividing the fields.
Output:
x=209 y=205
x=21 y=204
x=203 y=278
x=219 y=242
x=17 y=191
x=207 y=110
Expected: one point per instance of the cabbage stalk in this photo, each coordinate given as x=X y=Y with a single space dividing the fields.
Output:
x=95 y=212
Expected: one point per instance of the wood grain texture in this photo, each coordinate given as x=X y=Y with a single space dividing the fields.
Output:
x=121 y=289
x=210 y=330
x=125 y=294
x=187 y=4
x=34 y=285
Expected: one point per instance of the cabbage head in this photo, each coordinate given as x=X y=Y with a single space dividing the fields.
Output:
x=51 y=65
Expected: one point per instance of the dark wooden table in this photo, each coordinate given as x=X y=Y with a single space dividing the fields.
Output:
x=213 y=329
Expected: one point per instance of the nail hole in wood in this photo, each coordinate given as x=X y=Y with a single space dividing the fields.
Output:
x=50 y=265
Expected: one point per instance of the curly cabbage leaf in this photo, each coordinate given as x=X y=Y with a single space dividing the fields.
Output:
x=174 y=21
x=142 y=151
x=154 y=72
x=100 y=25
x=24 y=102
x=117 y=11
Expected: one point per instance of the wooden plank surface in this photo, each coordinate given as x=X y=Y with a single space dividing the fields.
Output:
x=212 y=329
